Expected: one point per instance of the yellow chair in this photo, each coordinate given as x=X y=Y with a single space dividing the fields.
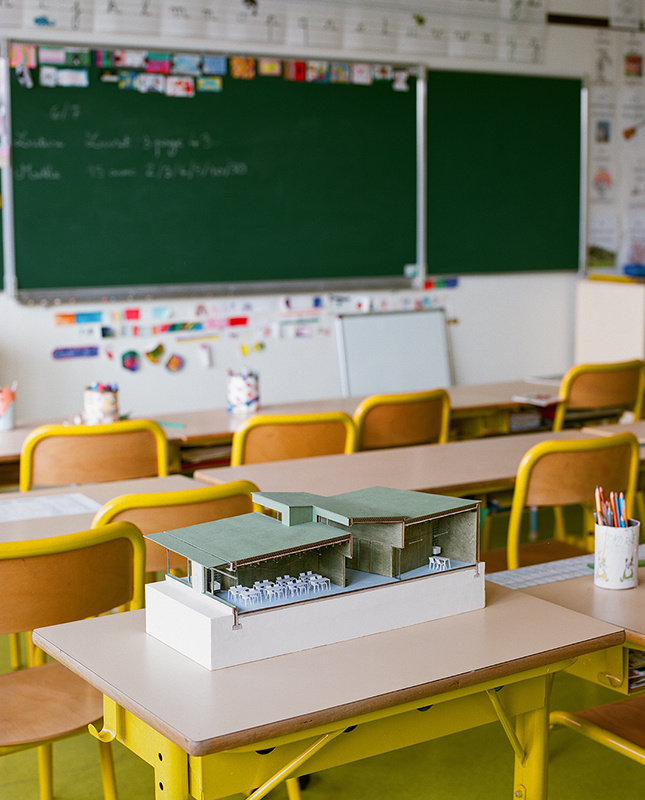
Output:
x=619 y=385
x=397 y=420
x=566 y=472
x=47 y=582
x=620 y=726
x=162 y=511
x=59 y=455
x=277 y=438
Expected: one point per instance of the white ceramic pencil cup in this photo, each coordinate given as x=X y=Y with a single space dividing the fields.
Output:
x=7 y=420
x=616 y=556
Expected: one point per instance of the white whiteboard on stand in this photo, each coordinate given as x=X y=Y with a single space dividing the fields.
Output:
x=393 y=351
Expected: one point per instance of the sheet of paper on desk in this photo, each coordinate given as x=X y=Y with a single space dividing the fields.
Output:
x=58 y=505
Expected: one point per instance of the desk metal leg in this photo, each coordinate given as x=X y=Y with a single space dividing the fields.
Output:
x=169 y=761
x=532 y=729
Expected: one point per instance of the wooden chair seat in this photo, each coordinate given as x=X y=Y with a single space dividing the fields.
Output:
x=45 y=703
x=619 y=726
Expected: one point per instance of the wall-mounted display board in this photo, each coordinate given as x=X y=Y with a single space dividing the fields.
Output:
x=503 y=173
x=299 y=179
x=393 y=351
x=253 y=183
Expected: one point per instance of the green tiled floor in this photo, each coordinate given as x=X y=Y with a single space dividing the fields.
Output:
x=477 y=763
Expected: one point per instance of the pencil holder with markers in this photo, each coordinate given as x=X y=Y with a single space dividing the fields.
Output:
x=100 y=404
x=242 y=392
x=616 y=539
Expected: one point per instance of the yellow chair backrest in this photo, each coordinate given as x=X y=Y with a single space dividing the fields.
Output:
x=60 y=455
x=397 y=420
x=617 y=385
x=566 y=472
x=47 y=582
x=280 y=437
x=163 y=511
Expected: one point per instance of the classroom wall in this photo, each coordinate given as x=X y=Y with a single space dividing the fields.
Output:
x=502 y=327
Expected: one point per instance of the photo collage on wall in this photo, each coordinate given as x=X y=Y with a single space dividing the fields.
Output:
x=182 y=74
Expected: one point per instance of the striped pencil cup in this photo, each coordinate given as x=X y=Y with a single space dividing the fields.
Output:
x=616 y=556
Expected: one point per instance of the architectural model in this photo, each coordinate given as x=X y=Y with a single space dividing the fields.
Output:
x=316 y=570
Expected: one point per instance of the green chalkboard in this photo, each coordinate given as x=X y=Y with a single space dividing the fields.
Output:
x=503 y=176
x=267 y=180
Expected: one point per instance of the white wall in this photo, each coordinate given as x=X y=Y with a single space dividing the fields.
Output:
x=505 y=327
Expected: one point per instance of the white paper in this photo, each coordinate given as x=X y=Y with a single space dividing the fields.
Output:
x=59 y=505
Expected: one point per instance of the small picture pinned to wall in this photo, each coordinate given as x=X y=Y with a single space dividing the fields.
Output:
x=175 y=363
x=242 y=67
x=156 y=354
x=130 y=360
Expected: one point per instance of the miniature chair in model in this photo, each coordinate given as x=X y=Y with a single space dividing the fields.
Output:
x=162 y=511
x=277 y=438
x=620 y=726
x=47 y=582
x=397 y=420
x=616 y=387
x=59 y=455
x=566 y=472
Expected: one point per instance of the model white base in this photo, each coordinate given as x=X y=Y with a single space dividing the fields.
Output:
x=203 y=629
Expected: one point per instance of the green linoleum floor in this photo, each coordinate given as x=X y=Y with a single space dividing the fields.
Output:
x=477 y=763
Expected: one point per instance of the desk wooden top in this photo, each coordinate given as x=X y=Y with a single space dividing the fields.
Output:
x=217 y=423
x=204 y=711
x=623 y=607
x=40 y=528
x=637 y=428
x=452 y=468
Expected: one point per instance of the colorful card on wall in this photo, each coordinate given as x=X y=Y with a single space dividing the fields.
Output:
x=214 y=65
x=317 y=71
x=209 y=83
x=269 y=67
x=180 y=86
x=22 y=55
x=340 y=72
x=295 y=70
x=187 y=64
x=242 y=67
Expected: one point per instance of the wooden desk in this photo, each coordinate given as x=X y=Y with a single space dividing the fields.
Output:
x=476 y=410
x=625 y=608
x=456 y=468
x=38 y=528
x=637 y=428
x=212 y=734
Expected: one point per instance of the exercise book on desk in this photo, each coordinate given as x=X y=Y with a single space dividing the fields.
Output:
x=59 y=505
x=549 y=572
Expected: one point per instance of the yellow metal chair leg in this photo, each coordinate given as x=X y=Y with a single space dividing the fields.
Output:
x=293 y=789
x=15 y=647
x=46 y=771
x=108 y=775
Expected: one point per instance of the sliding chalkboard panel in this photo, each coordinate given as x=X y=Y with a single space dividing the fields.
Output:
x=266 y=181
x=503 y=176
